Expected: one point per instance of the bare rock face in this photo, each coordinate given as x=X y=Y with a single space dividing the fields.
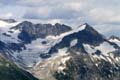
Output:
x=30 y=31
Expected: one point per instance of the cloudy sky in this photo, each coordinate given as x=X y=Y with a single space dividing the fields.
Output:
x=104 y=15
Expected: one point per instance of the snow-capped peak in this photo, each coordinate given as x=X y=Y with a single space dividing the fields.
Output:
x=115 y=40
x=5 y=26
x=6 y=33
x=114 y=37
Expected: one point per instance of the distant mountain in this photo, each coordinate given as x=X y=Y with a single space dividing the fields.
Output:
x=58 y=52
x=8 y=20
x=115 y=40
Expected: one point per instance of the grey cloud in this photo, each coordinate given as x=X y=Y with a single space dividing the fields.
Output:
x=59 y=13
x=108 y=29
x=8 y=2
x=62 y=14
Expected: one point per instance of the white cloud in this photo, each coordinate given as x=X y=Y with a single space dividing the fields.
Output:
x=77 y=6
x=115 y=18
x=108 y=29
x=101 y=13
x=7 y=15
x=53 y=21
x=44 y=11
x=104 y=15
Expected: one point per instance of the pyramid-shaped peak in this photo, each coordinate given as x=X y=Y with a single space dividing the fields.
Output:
x=114 y=37
x=89 y=28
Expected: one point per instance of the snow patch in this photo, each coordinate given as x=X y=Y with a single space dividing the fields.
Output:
x=31 y=55
x=6 y=35
x=61 y=52
x=89 y=49
x=74 y=42
x=5 y=27
x=105 y=48
x=115 y=41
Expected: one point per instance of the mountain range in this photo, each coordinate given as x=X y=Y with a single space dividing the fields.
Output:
x=57 y=52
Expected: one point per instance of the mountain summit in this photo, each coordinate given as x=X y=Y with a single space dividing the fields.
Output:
x=115 y=40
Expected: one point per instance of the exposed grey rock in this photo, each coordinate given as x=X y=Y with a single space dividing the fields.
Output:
x=30 y=31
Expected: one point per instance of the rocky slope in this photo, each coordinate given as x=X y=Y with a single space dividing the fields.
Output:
x=10 y=71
